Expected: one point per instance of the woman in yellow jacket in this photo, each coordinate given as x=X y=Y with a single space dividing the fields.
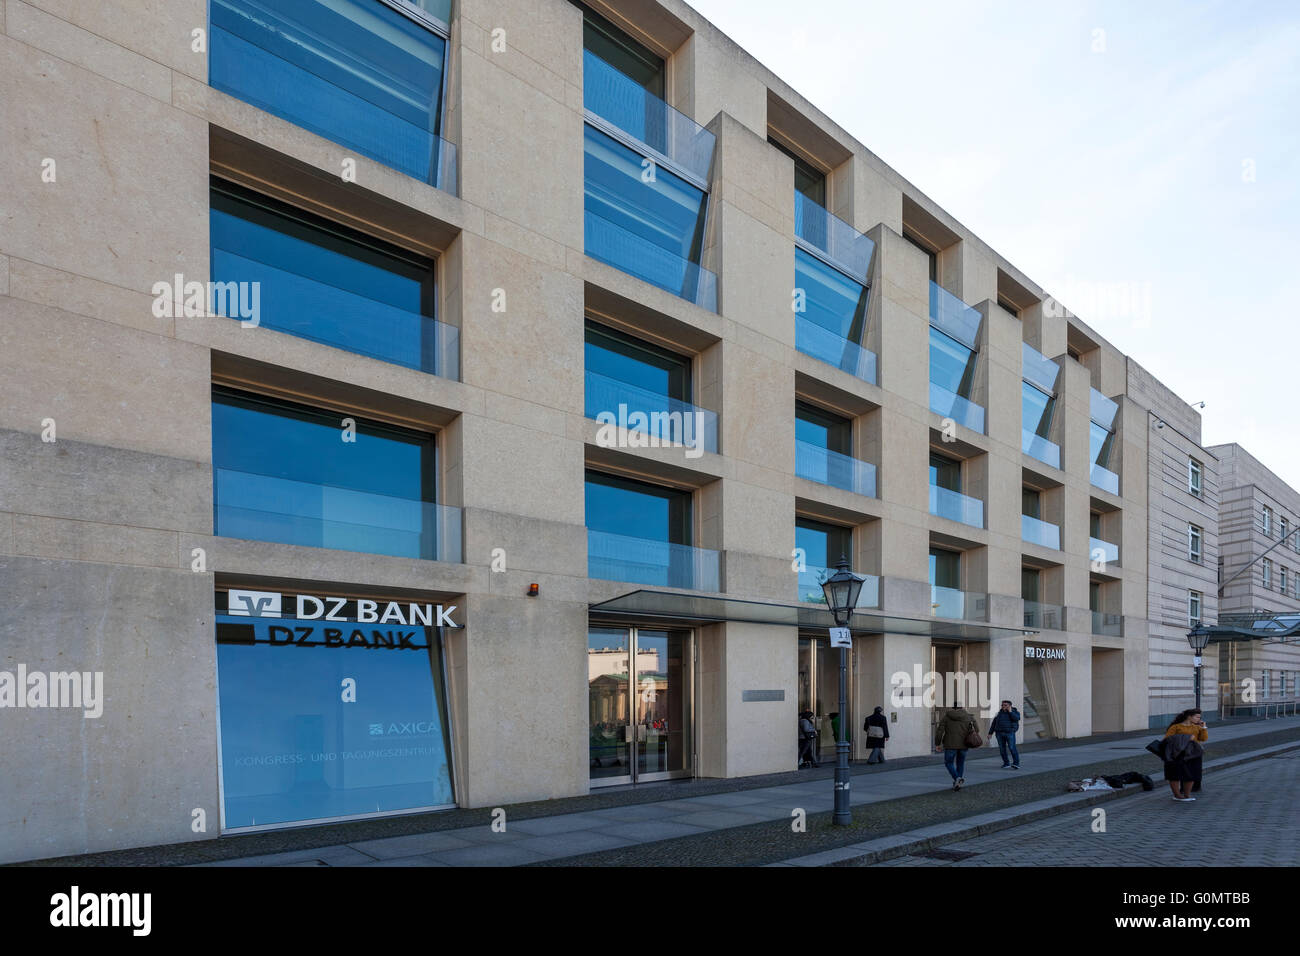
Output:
x=1183 y=742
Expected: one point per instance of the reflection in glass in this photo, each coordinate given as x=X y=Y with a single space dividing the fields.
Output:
x=292 y=751
x=652 y=230
x=321 y=281
x=832 y=325
x=281 y=473
x=352 y=71
x=608 y=714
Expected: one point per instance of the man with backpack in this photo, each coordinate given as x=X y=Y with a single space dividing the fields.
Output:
x=1005 y=724
x=954 y=734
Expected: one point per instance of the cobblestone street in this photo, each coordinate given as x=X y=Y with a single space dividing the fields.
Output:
x=1247 y=816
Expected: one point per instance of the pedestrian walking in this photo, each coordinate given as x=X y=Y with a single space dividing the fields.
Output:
x=876 y=728
x=1005 y=724
x=807 y=741
x=1183 y=751
x=954 y=734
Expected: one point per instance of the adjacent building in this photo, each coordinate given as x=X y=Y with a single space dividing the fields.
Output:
x=1259 y=556
x=407 y=405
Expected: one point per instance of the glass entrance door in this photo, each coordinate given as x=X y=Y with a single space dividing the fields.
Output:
x=946 y=661
x=819 y=691
x=640 y=689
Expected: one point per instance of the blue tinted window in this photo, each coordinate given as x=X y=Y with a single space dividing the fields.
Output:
x=638 y=510
x=831 y=299
x=652 y=230
x=952 y=365
x=353 y=71
x=292 y=751
x=1037 y=410
x=323 y=282
x=1099 y=444
x=945 y=473
x=626 y=360
x=282 y=472
x=822 y=544
x=822 y=429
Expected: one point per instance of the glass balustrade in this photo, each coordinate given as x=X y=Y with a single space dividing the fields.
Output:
x=666 y=420
x=833 y=468
x=618 y=557
x=956 y=506
x=1040 y=532
x=267 y=508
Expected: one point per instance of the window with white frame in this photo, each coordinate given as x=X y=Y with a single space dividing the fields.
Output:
x=1194 y=476
x=1193 y=608
x=1266 y=521
x=1194 y=543
x=1266 y=570
x=1281 y=579
x=1283 y=528
x=1266 y=684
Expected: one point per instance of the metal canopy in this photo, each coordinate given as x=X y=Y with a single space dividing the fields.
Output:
x=691 y=608
x=1271 y=628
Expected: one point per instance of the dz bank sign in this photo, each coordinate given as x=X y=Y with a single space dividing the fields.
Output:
x=305 y=607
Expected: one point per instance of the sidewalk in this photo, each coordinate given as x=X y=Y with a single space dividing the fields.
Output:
x=556 y=837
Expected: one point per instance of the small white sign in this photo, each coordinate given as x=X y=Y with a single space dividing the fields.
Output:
x=1196 y=661
x=840 y=637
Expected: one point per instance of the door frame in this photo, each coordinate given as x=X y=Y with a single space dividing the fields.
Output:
x=690 y=665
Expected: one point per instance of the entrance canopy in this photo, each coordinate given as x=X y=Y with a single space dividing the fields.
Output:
x=1270 y=628
x=693 y=609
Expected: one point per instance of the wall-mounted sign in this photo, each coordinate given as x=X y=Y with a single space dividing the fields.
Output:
x=747 y=696
x=1039 y=653
x=306 y=607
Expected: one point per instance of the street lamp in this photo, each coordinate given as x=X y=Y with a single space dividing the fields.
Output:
x=1198 y=637
x=841 y=590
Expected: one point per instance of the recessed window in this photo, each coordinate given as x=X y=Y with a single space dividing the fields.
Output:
x=1282 y=579
x=1266 y=572
x=298 y=475
x=318 y=280
x=1194 y=476
x=353 y=71
x=1266 y=521
x=1194 y=543
x=1194 y=608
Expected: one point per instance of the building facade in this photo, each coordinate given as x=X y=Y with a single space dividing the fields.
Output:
x=414 y=404
x=1182 y=547
x=1259 y=526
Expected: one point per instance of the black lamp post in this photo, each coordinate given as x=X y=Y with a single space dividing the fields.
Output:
x=1198 y=637
x=841 y=590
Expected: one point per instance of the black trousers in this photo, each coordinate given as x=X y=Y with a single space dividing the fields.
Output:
x=808 y=750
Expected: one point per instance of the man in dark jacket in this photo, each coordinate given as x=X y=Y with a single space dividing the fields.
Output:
x=877 y=729
x=1005 y=724
x=950 y=736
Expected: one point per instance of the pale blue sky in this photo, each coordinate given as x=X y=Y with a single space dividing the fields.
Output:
x=1129 y=168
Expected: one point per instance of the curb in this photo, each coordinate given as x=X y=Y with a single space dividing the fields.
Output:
x=929 y=838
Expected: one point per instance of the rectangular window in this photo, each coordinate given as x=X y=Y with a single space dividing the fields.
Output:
x=1194 y=476
x=945 y=569
x=1094 y=596
x=1283 y=527
x=1030 y=584
x=831 y=316
x=643 y=533
x=945 y=472
x=1193 y=608
x=356 y=72
x=809 y=181
x=282 y=473
x=652 y=229
x=293 y=752
x=626 y=54
x=321 y=281
x=931 y=257
x=823 y=451
x=1036 y=410
x=1266 y=521
x=823 y=544
x=1281 y=579
x=1194 y=543
x=1266 y=571
x=1031 y=502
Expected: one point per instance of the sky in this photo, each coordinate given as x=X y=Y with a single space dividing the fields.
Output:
x=1139 y=161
